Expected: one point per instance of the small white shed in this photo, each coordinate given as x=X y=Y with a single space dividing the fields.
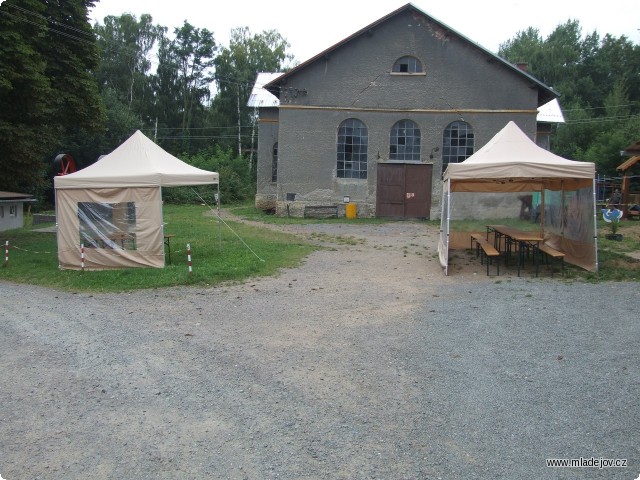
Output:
x=12 y=209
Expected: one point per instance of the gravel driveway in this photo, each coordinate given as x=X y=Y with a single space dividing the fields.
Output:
x=364 y=362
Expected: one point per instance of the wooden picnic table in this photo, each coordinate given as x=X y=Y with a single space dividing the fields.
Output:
x=521 y=238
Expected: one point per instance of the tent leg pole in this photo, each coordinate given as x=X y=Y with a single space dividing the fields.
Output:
x=542 y=210
x=164 y=258
x=563 y=213
x=595 y=223
x=219 y=220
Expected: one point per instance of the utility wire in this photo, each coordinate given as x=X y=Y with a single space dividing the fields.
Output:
x=48 y=19
x=631 y=104
x=235 y=127
x=47 y=28
x=601 y=119
x=217 y=214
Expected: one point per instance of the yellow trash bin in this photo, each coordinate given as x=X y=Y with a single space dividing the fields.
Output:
x=350 y=209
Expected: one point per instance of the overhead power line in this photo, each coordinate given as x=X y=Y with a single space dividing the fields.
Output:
x=602 y=119
x=628 y=105
x=182 y=129
x=48 y=19
x=202 y=137
x=47 y=27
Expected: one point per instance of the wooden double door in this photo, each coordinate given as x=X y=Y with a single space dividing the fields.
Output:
x=403 y=190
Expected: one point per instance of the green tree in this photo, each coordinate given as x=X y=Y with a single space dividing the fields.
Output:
x=615 y=60
x=125 y=46
x=182 y=83
x=527 y=47
x=236 y=69
x=597 y=80
x=237 y=184
x=71 y=54
x=124 y=77
x=607 y=143
x=47 y=90
x=26 y=103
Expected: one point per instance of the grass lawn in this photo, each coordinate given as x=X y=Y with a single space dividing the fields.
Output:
x=618 y=260
x=218 y=255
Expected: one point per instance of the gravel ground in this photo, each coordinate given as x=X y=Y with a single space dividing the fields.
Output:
x=364 y=362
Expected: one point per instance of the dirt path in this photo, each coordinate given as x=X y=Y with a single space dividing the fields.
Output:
x=364 y=362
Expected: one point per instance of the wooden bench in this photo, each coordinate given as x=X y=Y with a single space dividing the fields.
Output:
x=321 y=211
x=553 y=254
x=485 y=250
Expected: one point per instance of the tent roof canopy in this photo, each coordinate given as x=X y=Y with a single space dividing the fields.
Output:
x=138 y=162
x=511 y=161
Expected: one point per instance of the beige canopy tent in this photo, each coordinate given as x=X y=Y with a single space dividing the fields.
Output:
x=113 y=208
x=509 y=165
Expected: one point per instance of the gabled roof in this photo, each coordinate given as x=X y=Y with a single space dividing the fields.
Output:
x=550 y=112
x=633 y=149
x=260 y=97
x=16 y=197
x=545 y=93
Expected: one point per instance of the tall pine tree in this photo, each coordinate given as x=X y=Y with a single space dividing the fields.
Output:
x=47 y=93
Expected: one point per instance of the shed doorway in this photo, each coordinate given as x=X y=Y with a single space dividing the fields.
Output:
x=404 y=190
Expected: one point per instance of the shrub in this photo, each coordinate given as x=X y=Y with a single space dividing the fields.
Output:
x=237 y=182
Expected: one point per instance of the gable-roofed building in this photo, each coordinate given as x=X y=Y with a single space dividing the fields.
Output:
x=12 y=209
x=375 y=119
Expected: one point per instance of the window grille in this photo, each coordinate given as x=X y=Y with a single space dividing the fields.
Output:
x=352 y=144
x=405 y=141
x=407 y=65
x=457 y=143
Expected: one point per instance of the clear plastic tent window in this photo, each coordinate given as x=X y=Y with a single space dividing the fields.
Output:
x=107 y=225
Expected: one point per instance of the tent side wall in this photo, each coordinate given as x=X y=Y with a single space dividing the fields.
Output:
x=564 y=217
x=119 y=227
x=569 y=225
x=443 y=243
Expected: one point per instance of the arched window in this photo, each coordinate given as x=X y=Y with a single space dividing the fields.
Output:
x=352 y=149
x=405 y=141
x=274 y=163
x=407 y=65
x=457 y=143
